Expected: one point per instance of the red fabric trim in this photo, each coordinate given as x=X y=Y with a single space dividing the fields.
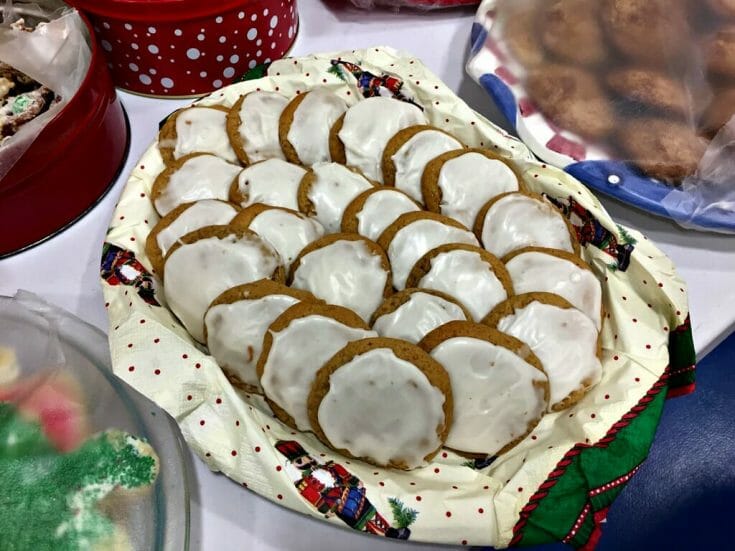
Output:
x=683 y=369
x=681 y=391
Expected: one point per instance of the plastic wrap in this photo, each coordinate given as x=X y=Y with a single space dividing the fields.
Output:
x=630 y=96
x=55 y=53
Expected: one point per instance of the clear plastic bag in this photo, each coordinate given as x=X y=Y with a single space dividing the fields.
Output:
x=417 y=4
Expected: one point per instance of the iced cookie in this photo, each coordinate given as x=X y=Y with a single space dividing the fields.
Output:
x=414 y=234
x=572 y=31
x=564 y=339
x=470 y=274
x=651 y=89
x=295 y=347
x=286 y=230
x=192 y=178
x=499 y=388
x=252 y=125
x=375 y=209
x=326 y=190
x=407 y=153
x=412 y=313
x=384 y=401
x=516 y=220
x=204 y=263
x=535 y=270
x=305 y=124
x=196 y=130
x=361 y=134
x=235 y=324
x=344 y=269
x=185 y=218
x=458 y=183
x=273 y=182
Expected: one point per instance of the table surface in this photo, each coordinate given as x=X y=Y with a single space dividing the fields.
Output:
x=225 y=516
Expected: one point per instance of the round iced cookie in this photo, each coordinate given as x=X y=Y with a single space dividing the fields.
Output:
x=564 y=339
x=210 y=260
x=375 y=209
x=470 y=274
x=272 y=182
x=365 y=128
x=252 y=125
x=458 y=183
x=185 y=218
x=326 y=190
x=344 y=269
x=384 y=401
x=535 y=269
x=296 y=346
x=519 y=219
x=414 y=234
x=286 y=230
x=305 y=124
x=499 y=388
x=407 y=153
x=192 y=178
x=235 y=324
x=412 y=313
x=196 y=129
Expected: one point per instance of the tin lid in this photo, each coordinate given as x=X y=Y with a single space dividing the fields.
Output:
x=155 y=11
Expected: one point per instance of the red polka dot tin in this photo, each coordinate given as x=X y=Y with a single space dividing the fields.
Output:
x=188 y=47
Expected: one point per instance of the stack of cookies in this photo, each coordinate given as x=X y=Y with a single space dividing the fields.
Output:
x=382 y=285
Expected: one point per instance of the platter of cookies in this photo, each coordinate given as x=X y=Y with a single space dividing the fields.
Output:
x=360 y=299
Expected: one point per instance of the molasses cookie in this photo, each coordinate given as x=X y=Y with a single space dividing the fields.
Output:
x=650 y=89
x=196 y=130
x=273 y=182
x=572 y=31
x=252 y=125
x=375 y=209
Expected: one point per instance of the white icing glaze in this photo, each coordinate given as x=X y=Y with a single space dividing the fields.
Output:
x=272 y=182
x=415 y=318
x=540 y=272
x=367 y=127
x=414 y=240
x=203 y=130
x=493 y=393
x=469 y=181
x=312 y=121
x=201 y=177
x=412 y=157
x=202 y=213
x=518 y=221
x=297 y=353
x=346 y=273
x=564 y=339
x=198 y=272
x=288 y=232
x=380 y=210
x=333 y=188
x=235 y=332
x=259 y=115
x=464 y=275
x=382 y=407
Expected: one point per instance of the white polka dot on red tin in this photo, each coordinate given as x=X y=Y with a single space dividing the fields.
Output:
x=217 y=83
x=265 y=11
x=166 y=82
x=274 y=21
x=203 y=74
x=145 y=79
x=222 y=39
x=152 y=71
x=134 y=46
x=229 y=72
x=252 y=33
x=178 y=32
x=253 y=17
x=252 y=64
x=128 y=27
x=220 y=58
x=258 y=42
x=133 y=67
x=218 y=19
x=153 y=49
x=234 y=58
x=200 y=37
x=106 y=45
x=193 y=53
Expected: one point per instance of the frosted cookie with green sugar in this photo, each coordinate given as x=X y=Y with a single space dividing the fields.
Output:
x=295 y=347
x=204 y=263
x=252 y=126
x=375 y=209
x=412 y=313
x=345 y=269
x=384 y=401
x=185 y=218
x=287 y=230
x=191 y=178
x=414 y=234
x=459 y=183
x=564 y=339
x=470 y=274
x=272 y=182
x=235 y=324
x=519 y=219
x=535 y=269
x=408 y=152
x=359 y=137
x=196 y=129
x=326 y=190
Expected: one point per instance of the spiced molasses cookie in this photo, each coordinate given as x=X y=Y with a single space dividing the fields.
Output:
x=252 y=125
x=718 y=113
x=650 y=89
x=375 y=209
x=572 y=31
x=720 y=52
x=196 y=129
x=520 y=31
x=273 y=182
